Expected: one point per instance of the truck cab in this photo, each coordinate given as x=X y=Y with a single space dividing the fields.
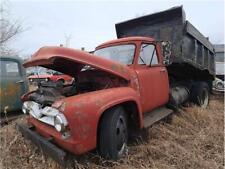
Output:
x=126 y=76
x=146 y=60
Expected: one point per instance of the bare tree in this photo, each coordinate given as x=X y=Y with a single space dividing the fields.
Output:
x=9 y=29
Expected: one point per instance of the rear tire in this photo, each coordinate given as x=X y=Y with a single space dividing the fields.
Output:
x=200 y=94
x=113 y=134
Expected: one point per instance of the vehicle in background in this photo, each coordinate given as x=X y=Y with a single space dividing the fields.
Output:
x=31 y=71
x=158 y=63
x=13 y=83
x=219 y=84
x=46 y=75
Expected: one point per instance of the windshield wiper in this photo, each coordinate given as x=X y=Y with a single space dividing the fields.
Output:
x=140 y=55
x=142 y=60
x=152 y=56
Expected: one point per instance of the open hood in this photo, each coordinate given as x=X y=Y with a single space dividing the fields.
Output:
x=71 y=61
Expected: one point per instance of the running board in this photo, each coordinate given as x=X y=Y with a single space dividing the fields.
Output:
x=151 y=117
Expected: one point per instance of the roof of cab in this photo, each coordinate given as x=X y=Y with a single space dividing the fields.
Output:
x=12 y=58
x=126 y=39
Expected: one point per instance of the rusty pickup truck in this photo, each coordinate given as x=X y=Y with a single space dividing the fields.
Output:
x=126 y=84
x=13 y=83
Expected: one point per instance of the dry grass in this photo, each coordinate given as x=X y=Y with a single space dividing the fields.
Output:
x=194 y=139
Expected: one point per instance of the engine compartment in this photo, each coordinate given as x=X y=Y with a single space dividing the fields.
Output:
x=86 y=81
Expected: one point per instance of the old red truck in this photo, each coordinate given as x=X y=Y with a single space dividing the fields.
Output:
x=158 y=62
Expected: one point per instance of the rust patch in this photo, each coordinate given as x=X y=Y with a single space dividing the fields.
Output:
x=85 y=130
x=62 y=107
x=99 y=103
x=80 y=147
x=9 y=96
x=77 y=113
x=135 y=83
x=79 y=104
x=119 y=68
x=12 y=90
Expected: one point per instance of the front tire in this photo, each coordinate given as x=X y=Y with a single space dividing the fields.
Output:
x=113 y=134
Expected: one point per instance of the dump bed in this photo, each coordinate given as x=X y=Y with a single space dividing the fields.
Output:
x=188 y=46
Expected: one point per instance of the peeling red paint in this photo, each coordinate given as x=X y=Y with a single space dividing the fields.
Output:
x=83 y=110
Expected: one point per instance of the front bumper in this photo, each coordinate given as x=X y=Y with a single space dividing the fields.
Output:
x=35 y=81
x=218 y=90
x=44 y=144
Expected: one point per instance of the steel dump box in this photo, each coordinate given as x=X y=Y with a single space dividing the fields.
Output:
x=188 y=46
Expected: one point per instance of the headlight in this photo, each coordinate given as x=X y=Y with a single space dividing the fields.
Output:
x=46 y=79
x=30 y=80
x=60 y=122
x=220 y=85
x=32 y=108
x=24 y=109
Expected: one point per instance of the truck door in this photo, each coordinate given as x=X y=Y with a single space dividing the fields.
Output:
x=153 y=78
x=13 y=85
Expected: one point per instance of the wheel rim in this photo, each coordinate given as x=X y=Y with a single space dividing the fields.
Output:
x=204 y=99
x=121 y=136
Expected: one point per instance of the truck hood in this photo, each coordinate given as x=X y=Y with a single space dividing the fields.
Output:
x=71 y=61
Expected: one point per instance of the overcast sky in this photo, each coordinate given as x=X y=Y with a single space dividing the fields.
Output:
x=89 y=23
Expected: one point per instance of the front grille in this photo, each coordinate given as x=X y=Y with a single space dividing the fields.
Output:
x=36 y=80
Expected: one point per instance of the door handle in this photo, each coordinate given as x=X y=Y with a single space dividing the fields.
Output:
x=20 y=81
x=163 y=70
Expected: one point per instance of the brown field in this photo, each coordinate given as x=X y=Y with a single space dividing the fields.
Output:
x=194 y=139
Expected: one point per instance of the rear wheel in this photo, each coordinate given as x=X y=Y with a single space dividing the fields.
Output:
x=200 y=94
x=113 y=134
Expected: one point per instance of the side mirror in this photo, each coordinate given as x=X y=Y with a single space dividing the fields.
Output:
x=166 y=49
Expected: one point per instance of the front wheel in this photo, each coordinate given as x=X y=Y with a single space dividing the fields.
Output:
x=113 y=134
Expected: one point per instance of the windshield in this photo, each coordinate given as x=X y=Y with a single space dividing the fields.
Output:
x=220 y=57
x=53 y=72
x=120 y=53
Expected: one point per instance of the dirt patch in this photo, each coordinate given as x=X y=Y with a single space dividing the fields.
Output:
x=193 y=139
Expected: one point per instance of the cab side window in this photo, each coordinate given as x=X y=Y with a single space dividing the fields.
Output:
x=12 y=69
x=148 y=55
x=9 y=68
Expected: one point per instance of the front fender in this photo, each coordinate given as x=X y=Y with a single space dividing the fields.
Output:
x=84 y=111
